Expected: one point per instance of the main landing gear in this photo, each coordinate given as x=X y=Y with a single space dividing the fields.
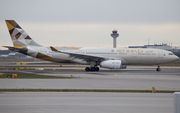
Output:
x=92 y=69
x=158 y=68
x=93 y=66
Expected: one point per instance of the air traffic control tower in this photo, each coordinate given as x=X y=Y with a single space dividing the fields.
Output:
x=114 y=36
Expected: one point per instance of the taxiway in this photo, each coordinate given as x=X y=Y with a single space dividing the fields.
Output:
x=71 y=102
x=135 y=79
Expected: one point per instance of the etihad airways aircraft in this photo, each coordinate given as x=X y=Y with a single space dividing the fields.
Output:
x=112 y=58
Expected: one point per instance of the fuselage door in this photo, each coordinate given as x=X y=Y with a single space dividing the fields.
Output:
x=134 y=54
x=160 y=54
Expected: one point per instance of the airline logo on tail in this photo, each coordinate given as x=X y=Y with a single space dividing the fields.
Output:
x=24 y=44
x=19 y=37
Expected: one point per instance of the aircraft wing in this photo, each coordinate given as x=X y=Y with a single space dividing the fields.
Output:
x=86 y=57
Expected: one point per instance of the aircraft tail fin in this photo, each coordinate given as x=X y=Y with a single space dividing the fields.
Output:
x=19 y=37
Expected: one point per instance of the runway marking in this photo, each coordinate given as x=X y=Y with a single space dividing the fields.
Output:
x=129 y=105
x=87 y=94
x=85 y=77
x=121 y=73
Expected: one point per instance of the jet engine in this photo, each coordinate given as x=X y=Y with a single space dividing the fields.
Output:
x=112 y=64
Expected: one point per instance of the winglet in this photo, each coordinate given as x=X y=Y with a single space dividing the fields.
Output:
x=53 y=49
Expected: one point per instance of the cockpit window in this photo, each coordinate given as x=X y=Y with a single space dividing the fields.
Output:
x=170 y=54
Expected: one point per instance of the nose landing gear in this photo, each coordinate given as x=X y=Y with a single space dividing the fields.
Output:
x=158 y=68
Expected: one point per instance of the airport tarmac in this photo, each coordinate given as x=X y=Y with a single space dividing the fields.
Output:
x=81 y=102
x=134 y=78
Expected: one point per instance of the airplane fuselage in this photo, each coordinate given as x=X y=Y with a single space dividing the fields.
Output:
x=129 y=56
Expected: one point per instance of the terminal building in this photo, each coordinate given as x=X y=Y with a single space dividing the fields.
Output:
x=175 y=50
x=157 y=46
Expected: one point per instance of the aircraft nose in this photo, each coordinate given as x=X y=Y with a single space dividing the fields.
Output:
x=176 y=57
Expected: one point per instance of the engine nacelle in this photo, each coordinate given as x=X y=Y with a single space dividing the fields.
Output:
x=112 y=64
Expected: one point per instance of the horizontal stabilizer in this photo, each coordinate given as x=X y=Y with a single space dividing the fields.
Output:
x=21 y=50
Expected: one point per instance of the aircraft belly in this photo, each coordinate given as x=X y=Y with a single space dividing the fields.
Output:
x=60 y=58
x=164 y=60
x=141 y=60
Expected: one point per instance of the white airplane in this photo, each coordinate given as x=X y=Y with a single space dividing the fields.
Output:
x=112 y=58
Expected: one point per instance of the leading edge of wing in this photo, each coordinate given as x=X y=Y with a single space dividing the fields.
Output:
x=86 y=57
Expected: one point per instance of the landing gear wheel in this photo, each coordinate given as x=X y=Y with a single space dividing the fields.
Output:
x=158 y=69
x=92 y=68
x=96 y=68
x=87 y=69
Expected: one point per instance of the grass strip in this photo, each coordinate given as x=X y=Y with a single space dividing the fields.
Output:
x=32 y=76
x=84 y=90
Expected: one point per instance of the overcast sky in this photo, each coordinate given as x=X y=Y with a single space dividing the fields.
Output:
x=86 y=23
